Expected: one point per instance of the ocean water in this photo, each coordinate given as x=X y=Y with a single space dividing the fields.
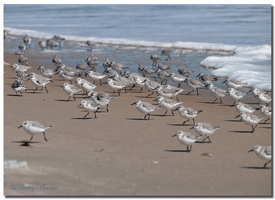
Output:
x=234 y=39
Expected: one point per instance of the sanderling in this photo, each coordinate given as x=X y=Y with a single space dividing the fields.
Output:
x=65 y=77
x=18 y=87
x=216 y=91
x=194 y=84
x=116 y=86
x=123 y=80
x=151 y=86
x=234 y=84
x=206 y=78
x=90 y=44
x=145 y=107
x=22 y=68
x=58 y=39
x=257 y=91
x=147 y=72
x=264 y=152
x=250 y=119
x=205 y=129
x=242 y=107
x=102 y=98
x=169 y=91
x=27 y=40
x=137 y=79
x=89 y=106
x=167 y=104
x=266 y=111
x=22 y=76
x=118 y=67
x=188 y=113
x=86 y=85
x=46 y=71
x=71 y=90
x=163 y=76
x=167 y=52
x=22 y=47
x=177 y=78
x=42 y=44
x=163 y=67
x=155 y=58
x=34 y=127
x=23 y=60
x=236 y=95
x=81 y=66
x=92 y=62
x=111 y=72
x=95 y=76
x=39 y=81
x=186 y=138
x=56 y=60
x=264 y=98
x=185 y=72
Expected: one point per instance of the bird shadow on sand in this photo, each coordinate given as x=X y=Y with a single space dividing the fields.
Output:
x=180 y=125
x=240 y=131
x=83 y=118
x=24 y=141
x=256 y=167
x=14 y=95
x=138 y=119
x=233 y=120
x=177 y=151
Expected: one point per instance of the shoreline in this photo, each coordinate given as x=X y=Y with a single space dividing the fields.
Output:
x=120 y=154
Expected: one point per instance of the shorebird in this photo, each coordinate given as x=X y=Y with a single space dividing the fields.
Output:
x=92 y=62
x=65 y=77
x=71 y=90
x=33 y=128
x=58 y=39
x=22 y=47
x=188 y=113
x=90 y=44
x=27 y=40
x=169 y=91
x=242 y=107
x=102 y=98
x=86 y=85
x=155 y=58
x=89 y=106
x=147 y=72
x=205 y=129
x=21 y=68
x=234 y=84
x=81 y=66
x=56 y=61
x=95 y=76
x=266 y=111
x=251 y=120
x=23 y=60
x=163 y=67
x=185 y=72
x=177 y=78
x=236 y=95
x=216 y=91
x=194 y=84
x=39 y=81
x=118 y=67
x=46 y=71
x=18 y=87
x=264 y=98
x=263 y=152
x=206 y=79
x=116 y=86
x=186 y=138
x=167 y=104
x=151 y=86
x=42 y=44
x=167 y=52
x=145 y=107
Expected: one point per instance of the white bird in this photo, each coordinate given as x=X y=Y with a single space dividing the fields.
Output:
x=46 y=71
x=177 y=78
x=250 y=119
x=205 y=129
x=169 y=91
x=263 y=152
x=234 y=84
x=242 y=107
x=39 y=81
x=236 y=95
x=264 y=98
x=56 y=60
x=81 y=66
x=65 y=77
x=23 y=60
x=86 y=85
x=71 y=90
x=34 y=127
x=95 y=76
x=206 y=78
x=147 y=72
x=188 y=113
x=167 y=52
x=22 y=47
x=27 y=40
x=89 y=106
x=21 y=68
x=185 y=72
x=167 y=104
x=18 y=87
x=186 y=138
x=194 y=84
x=145 y=107
x=116 y=86
x=102 y=98
x=266 y=111
x=155 y=58
x=151 y=86
x=217 y=92
x=42 y=44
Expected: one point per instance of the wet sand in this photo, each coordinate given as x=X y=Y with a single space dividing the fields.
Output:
x=120 y=154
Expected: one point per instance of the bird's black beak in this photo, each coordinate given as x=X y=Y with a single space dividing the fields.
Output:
x=20 y=126
x=174 y=135
x=191 y=128
x=133 y=103
x=250 y=150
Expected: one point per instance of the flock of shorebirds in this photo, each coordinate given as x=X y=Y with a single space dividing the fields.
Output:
x=153 y=79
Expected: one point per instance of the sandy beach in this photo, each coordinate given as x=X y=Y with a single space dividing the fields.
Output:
x=120 y=154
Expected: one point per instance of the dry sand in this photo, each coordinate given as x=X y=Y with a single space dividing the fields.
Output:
x=120 y=154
